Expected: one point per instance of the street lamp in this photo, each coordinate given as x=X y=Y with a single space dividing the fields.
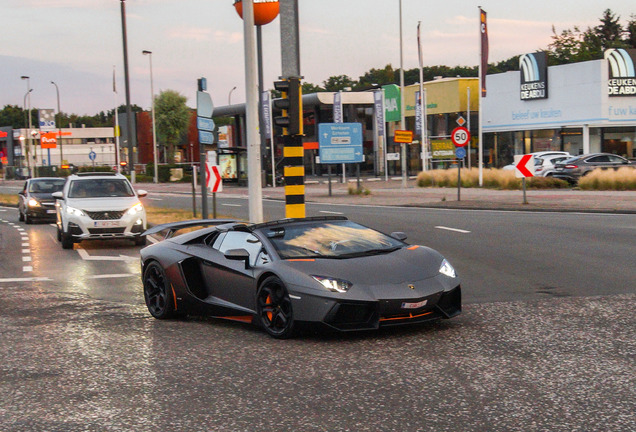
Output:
x=59 y=123
x=26 y=148
x=154 y=132
x=229 y=96
x=28 y=93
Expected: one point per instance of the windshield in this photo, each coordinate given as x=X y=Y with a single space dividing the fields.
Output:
x=46 y=185
x=100 y=188
x=329 y=239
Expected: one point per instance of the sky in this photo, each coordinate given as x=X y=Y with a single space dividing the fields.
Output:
x=78 y=43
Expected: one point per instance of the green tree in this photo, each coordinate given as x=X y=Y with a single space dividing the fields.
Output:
x=311 y=88
x=337 y=83
x=14 y=116
x=377 y=77
x=630 y=29
x=172 y=116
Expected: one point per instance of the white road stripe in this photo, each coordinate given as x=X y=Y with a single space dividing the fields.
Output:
x=156 y=199
x=108 y=276
x=232 y=205
x=453 y=229
x=26 y=259
x=27 y=268
x=32 y=279
x=25 y=251
x=331 y=212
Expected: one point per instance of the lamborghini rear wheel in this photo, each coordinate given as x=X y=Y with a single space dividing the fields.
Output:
x=157 y=293
x=274 y=308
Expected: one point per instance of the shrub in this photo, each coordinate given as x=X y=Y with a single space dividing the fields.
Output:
x=353 y=190
x=622 y=179
x=492 y=178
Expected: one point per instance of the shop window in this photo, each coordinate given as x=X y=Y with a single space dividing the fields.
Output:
x=572 y=141
x=619 y=141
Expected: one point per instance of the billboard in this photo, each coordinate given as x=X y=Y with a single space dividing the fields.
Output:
x=534 y=76
x=622 y=75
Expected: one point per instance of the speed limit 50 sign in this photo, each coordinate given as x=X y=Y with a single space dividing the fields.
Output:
x=460 y=136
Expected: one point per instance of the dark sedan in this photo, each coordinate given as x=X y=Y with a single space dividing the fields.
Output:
x=575 y=168
x=35 y=200
x=328 y=271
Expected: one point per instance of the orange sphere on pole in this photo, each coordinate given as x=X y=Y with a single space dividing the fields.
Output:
x=265 y=11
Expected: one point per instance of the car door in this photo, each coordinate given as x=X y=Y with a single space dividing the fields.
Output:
x=232 y=280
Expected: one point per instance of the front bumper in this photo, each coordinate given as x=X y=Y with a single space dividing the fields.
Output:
x=346 y=315
x=86 y=228
x=44 y=211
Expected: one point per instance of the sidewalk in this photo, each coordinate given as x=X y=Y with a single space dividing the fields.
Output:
x=391 y=193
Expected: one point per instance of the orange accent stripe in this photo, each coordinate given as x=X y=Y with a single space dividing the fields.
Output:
x=311 y=146
x=174 y=297
x=245 y=319
x=411 y=316
x=413 y=247
x=302 y=259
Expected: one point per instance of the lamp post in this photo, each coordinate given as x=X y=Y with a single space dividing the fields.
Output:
x=154 y=131
x=129 y=122
x=229 y=96
x=29 y=89
x=59 y=123
x=22 y=138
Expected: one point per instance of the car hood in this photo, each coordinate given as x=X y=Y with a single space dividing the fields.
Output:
x=405 y=265
x=103 y=204
x=42 y=196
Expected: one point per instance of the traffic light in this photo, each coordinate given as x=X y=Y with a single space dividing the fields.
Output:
x=291 y=104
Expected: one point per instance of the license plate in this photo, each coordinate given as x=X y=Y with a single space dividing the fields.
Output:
x=106 y=224
x=414 y=305
x=50 y=211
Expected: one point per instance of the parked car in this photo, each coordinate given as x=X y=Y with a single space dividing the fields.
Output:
x=327 y=271
x=544 y=166
x=541 y=154
x=36 y=201
x=99 y=206
x=574 y=168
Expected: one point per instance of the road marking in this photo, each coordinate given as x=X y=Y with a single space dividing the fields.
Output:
x=25 y=251
x=31 y=279
x=26 y=259
x=156 y=199
x=86 y=257
x=453 y=229
x=108 y=276
x=330 y=212
x=27 y=268
x=232 y=205
x=25 y=244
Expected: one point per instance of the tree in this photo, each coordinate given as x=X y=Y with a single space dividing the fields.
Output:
x=311 y=88
x=337 y=83
x=14 y=116
x=630 y=29
x=171 y=116
x=377 y=77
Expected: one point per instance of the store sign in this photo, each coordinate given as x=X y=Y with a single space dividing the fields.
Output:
x=534 y=76
x=392 y=103
x=622 y=74
x=442 y=149
x=46 y=119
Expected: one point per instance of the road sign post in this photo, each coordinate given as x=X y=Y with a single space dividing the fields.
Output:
x=524 y=167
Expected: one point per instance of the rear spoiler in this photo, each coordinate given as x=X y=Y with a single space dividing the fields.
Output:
x=173 y=227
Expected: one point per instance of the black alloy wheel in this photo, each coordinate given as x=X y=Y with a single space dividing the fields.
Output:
x=67 y=240
x=158 y=296
x=274 y=308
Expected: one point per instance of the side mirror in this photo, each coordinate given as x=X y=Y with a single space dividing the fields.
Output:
x=58 y=195
x=141 y=193
x=238 y=255
x=399 y=235
x=21 y=193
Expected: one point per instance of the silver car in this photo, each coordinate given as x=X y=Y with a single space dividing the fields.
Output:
x=99 y=206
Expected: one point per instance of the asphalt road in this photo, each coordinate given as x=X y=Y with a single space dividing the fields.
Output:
x=547 y=339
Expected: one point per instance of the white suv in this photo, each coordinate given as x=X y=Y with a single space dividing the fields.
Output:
x=99 y=206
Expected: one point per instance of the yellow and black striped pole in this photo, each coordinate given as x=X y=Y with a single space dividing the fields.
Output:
x=294 y=177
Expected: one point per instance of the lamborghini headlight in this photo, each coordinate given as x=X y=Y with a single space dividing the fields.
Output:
x=74 y=211
x=33 y=203
x=137 y=208
x=333 y=284
x=447 y=269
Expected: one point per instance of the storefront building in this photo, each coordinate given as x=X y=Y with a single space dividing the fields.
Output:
x=574 y=108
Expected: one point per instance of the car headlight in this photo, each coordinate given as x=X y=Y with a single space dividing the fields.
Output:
x=74 y=211
x=33 y=203
x=447 y=269
x=137 y=208
x=333 y=284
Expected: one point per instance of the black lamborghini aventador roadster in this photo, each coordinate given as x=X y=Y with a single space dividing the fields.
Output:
x=323 y=270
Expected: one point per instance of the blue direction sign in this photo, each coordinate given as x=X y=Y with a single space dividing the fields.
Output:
x=460 y=152
x=206 y=137
x=340 y=143
x=92 y=155
x=206 y=124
